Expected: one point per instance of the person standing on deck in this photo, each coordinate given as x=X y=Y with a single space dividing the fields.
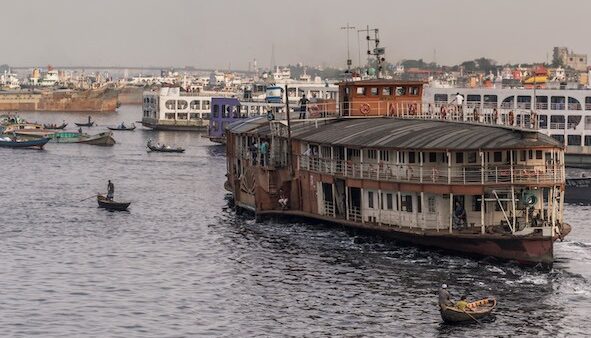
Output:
x=264 y=150
x=303 y=106
x=459 y=102
x=444 y=297
x=459 y=215
x=110 y=190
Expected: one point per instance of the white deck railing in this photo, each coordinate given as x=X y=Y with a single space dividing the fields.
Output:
x=384 y=171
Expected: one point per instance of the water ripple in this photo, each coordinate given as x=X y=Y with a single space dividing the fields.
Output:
x=182 y=263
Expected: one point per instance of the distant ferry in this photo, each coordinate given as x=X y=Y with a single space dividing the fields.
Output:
x=171 y=109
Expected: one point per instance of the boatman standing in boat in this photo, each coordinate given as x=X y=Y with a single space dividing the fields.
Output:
x=444 y=297
x=110 y=190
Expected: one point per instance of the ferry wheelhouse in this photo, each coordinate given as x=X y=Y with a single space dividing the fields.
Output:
x=388 y=165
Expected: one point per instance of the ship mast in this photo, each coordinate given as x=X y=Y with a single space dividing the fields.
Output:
x=349 y=62
x=377 y=51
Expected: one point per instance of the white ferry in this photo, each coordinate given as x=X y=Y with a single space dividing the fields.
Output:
x=564 y=113
x=171 y=109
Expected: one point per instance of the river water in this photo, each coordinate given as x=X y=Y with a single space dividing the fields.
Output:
x=181 y=262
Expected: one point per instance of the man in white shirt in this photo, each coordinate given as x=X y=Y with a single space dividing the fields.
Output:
x=459 y=101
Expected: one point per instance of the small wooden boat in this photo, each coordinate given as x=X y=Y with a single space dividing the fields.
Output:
x=105 y=203
x=100 y=139
x=123 y=128
x=87 y=124
x=164 y=148
x=474 y=311
x=27 y=129
x=577 y=190
x=37 y=143
x=55 y=126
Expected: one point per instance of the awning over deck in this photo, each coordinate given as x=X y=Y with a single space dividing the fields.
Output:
x=422 y=135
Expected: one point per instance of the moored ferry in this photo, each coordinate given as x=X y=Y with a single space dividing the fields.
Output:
x=171 y=109
x=564 y=112
x=387 y=164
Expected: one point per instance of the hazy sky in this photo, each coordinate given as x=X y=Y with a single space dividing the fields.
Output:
x=217 y=33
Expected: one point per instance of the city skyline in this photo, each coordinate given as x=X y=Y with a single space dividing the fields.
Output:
x=230 y=34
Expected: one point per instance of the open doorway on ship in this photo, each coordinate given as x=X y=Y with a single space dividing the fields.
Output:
x=354 y=205
x=340 y=197
x=327 y=199
x=459 y=219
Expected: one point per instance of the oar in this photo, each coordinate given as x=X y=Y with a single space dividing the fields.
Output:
x=469 y=315
x=89 y=197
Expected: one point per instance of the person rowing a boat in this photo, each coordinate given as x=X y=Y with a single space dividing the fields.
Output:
x=110 y=190
x=444 y=297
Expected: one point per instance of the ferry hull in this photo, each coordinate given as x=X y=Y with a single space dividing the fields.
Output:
x=173 y=127
x=524 y=250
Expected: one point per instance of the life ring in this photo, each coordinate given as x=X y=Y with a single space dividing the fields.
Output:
x=392 y=110
x=434 y=174
x=534 y=119
x=314 y=110
x=365 y=109
x=443 y=112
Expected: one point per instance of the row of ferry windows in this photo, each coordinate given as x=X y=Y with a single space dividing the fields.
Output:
x=182 y=104
x=389 y=201
x=573 y=140
x=520 y=101
x=470 y=157
x=186 y=116
x=239 y=111
x=386 y=91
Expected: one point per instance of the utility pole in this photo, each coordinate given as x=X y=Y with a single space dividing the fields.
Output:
x=289 y=157
x=349 y=62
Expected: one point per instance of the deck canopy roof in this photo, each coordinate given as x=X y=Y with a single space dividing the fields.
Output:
x=396 y=133
x=422 y=134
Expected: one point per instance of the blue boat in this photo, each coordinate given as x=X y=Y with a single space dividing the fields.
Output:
x=37 y=143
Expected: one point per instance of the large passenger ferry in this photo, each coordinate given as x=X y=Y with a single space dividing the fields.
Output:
x=562 y=113
x=388 y=164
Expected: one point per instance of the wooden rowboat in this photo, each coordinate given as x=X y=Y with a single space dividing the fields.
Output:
x=105 y=203
x=87 y=124
x=163 y=148
x=55 y=126
x=119 y=128
x=38 y=143
x=474 y=311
